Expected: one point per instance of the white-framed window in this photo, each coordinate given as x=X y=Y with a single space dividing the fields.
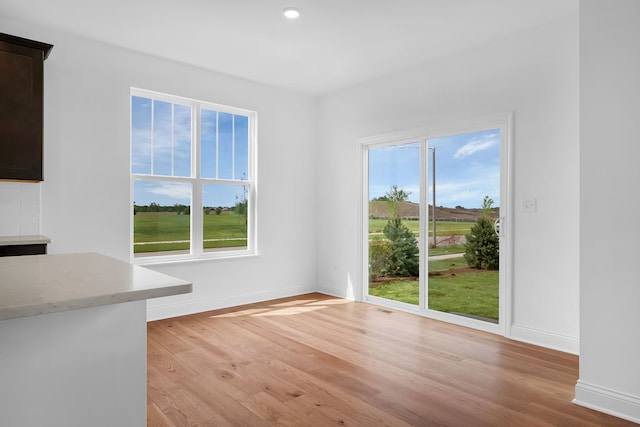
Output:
x=193 y=179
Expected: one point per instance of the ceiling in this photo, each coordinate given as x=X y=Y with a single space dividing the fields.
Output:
x=334 y=43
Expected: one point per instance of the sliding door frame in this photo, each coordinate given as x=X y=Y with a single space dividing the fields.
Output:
x=503 y=122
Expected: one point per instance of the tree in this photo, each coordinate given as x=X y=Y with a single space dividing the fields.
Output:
x=404 y=256
x=241 y=208
x=487 y=205
x=482 y=249
x=394 y=197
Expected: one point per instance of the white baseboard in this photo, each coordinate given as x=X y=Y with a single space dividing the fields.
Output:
x=546 y=339
x=336 y=292
x=199 y=306
x=610 y=402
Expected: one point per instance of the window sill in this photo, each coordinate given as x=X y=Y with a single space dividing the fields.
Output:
x=186 y=259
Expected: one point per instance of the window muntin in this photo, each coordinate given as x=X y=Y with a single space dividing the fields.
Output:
x=160 y=137
x=225 y=145
x=192 y=172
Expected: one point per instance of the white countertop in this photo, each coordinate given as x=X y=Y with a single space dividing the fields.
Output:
x=42 y=284
x=23 y=240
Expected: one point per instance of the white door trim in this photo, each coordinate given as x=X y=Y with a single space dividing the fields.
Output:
x=503 y=122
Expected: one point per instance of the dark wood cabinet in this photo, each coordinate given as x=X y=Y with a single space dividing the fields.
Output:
x=16 y=250
x=21 y=106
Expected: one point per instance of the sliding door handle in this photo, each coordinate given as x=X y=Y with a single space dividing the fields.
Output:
x=497 y=226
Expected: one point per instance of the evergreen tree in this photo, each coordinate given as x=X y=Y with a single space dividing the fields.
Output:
x=404 y=257
x=482 y=249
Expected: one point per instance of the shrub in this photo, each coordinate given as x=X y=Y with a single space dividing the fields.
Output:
x=404 y=258
x=399 y=256
x=379 y=255
x=482 y=246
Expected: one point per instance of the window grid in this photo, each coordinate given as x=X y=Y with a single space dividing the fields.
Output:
x=196 y=180
x=217 y=144
x=153 y=137
x=233 y=146
x=173 y=137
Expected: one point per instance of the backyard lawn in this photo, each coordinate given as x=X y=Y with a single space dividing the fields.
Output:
x=168 y=231
x=443 y=228
x=453 y=288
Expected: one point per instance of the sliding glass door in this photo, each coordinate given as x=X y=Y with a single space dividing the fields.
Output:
x=394 y=221
x=463 y=260
x=435 y=208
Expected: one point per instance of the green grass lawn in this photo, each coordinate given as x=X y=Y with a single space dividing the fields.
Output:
x=161 y=226
x=468 y=293
x=446 y=250
x=173 y=230
x=474 y=293
x=443 y=228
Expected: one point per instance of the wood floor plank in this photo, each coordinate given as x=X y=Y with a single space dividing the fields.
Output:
x=272 y=410
x=157 y=418
x=316 y=360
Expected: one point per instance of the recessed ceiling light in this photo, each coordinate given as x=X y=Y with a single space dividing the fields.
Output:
x=291 y=12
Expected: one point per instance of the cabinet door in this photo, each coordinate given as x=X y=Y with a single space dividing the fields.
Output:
x=21 y=87
x=17 y=250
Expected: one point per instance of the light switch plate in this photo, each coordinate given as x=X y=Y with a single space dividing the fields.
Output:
x=529 y=206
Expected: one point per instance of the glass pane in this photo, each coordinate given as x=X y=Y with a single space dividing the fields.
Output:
x=208 y=143
x=467 y=189
x=241 y=147
x=394 y=226
x=140 y=135
x=181 y=140
x=225 y=146
x=161 y=138
x=225 y=216
x=162 y=218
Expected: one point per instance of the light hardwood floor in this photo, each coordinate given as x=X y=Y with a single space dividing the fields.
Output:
x=316 y=360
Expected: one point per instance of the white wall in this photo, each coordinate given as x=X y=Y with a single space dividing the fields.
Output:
x=85 y=194
x=609 y=179
x=534 y=74
x=19 y=208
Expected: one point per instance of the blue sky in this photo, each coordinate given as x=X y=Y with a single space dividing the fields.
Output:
x=467 y=169
x=161 y=142
x=467 y=165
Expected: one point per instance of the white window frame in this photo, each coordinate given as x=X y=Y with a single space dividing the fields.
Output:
x=196 y=182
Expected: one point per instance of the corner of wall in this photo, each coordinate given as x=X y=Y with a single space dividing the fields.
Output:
x=608 y=401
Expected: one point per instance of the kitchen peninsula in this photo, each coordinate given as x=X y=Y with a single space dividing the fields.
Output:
x=73 y=339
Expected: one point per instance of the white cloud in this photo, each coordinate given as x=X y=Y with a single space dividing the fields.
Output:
x=172 y=190
x=469 y=193
x=475 y=145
